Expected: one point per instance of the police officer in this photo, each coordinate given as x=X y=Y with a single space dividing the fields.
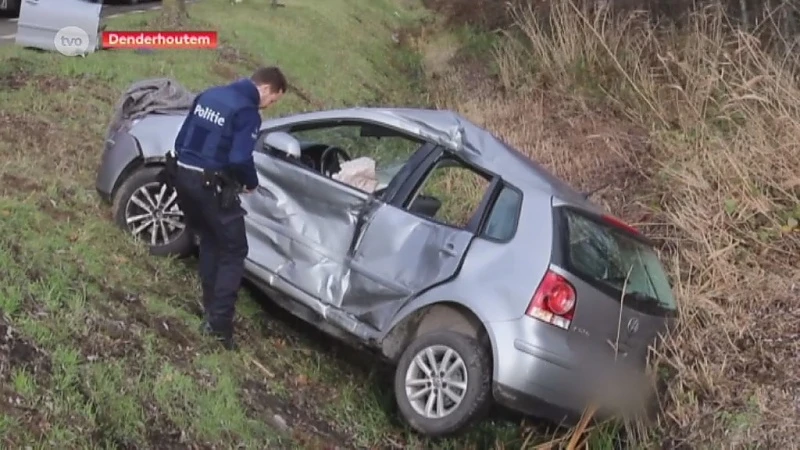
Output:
x=214 y=159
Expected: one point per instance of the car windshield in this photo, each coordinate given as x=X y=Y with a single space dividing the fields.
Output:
x=609 y=257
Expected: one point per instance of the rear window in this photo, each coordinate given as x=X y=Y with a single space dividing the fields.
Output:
x=605 y=257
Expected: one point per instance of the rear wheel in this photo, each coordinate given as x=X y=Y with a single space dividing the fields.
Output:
x=148 y=210
x=443 y=383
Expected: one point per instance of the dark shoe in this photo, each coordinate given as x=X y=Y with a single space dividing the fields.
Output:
x=226 y=339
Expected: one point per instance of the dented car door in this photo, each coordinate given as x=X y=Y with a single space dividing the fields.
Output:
x=398 y=256
x=398 y=253
x=300 y=227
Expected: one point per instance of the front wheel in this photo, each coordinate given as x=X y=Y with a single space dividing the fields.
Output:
x=148 y=210
x=443 y=383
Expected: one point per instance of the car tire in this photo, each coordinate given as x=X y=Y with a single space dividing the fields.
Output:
x=475 y=397
x=143 y=181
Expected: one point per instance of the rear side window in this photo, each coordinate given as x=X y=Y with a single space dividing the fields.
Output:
x=605 y=257
x=502 y=221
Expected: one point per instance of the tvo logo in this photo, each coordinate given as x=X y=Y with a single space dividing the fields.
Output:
x=72 y=41
x=204 y=112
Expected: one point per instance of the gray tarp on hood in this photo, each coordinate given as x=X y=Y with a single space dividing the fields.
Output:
x=151 y=96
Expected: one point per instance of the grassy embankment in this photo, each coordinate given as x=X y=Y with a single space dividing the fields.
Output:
x=98 y=342
x=691 y=134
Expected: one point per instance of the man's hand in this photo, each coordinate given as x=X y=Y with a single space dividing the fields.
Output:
x=247 y=191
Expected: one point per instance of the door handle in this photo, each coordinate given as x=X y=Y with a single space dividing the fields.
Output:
x=449 y=249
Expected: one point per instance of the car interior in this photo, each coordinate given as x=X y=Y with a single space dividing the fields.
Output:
x=327 y=160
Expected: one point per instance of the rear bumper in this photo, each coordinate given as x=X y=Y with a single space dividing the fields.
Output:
x=544 y=371
x=529 y=404
x=531 y=375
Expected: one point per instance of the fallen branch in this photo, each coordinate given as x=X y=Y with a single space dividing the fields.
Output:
x=263 y=369
x=581 y=428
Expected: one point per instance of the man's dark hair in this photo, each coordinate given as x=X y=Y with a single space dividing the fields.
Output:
x=271 y=76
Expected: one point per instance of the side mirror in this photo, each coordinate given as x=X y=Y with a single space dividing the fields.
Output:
x=284 y=142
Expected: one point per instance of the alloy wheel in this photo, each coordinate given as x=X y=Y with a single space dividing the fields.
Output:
x=436 y=381
x=152 y=214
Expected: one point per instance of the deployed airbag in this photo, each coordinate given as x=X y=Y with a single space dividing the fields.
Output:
x=359 y=173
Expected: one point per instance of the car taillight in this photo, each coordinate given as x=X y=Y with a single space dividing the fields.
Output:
x=554 y=301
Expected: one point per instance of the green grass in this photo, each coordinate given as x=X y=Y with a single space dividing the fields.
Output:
x=104 y=351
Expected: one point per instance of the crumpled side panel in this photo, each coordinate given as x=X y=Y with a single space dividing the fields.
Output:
x=400 y=255
x=301 y=227
x=343 y=247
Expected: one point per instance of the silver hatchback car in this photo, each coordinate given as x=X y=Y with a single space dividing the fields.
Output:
x=420 y=236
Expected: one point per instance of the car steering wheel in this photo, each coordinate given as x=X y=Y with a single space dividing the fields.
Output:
x=326 y=154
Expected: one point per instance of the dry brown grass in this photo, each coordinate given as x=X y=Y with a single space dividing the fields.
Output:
x=696 y=133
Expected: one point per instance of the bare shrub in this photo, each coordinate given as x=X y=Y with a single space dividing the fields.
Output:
x=775 y=21
x=697 y=129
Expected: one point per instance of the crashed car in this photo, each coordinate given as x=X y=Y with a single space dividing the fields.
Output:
x=418 y=235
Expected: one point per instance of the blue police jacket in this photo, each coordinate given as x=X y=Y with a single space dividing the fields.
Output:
x=221 y=129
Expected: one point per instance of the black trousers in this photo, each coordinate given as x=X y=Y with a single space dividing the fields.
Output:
x=223 y=247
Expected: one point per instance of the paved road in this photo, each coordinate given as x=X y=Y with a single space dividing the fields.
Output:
x=8 y=26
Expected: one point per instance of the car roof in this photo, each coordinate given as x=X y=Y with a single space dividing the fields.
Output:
x=468 y=140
